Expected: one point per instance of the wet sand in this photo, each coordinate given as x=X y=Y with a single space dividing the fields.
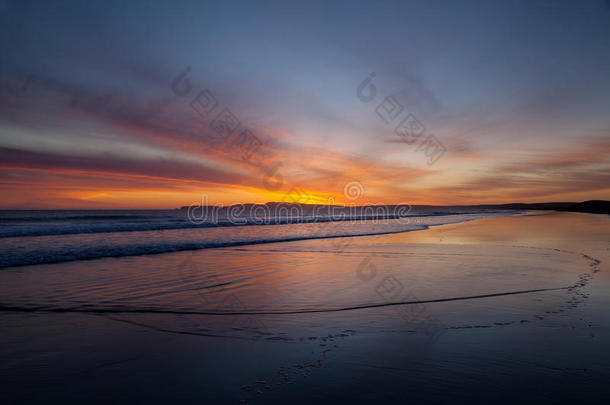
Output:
x=500 y=309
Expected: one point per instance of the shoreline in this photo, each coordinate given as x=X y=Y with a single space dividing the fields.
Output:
x=563 y=330
x=78 y=247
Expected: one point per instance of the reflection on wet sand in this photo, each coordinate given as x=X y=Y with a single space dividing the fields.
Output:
x=554 y=333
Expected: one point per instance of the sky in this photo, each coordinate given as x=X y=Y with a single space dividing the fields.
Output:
x=151 y=104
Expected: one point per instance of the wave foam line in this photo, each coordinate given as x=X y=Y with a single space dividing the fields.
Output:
x=8 y=308
x=180 y=223
x=142 y=250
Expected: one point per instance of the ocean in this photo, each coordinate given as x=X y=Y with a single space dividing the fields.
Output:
x=53 y=236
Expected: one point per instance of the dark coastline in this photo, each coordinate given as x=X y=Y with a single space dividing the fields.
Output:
x=592 y=206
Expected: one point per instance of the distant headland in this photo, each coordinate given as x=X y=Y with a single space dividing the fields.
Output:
x=592 y=206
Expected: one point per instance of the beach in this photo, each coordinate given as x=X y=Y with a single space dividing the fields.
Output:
x=304 y=203
x=489 y=308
